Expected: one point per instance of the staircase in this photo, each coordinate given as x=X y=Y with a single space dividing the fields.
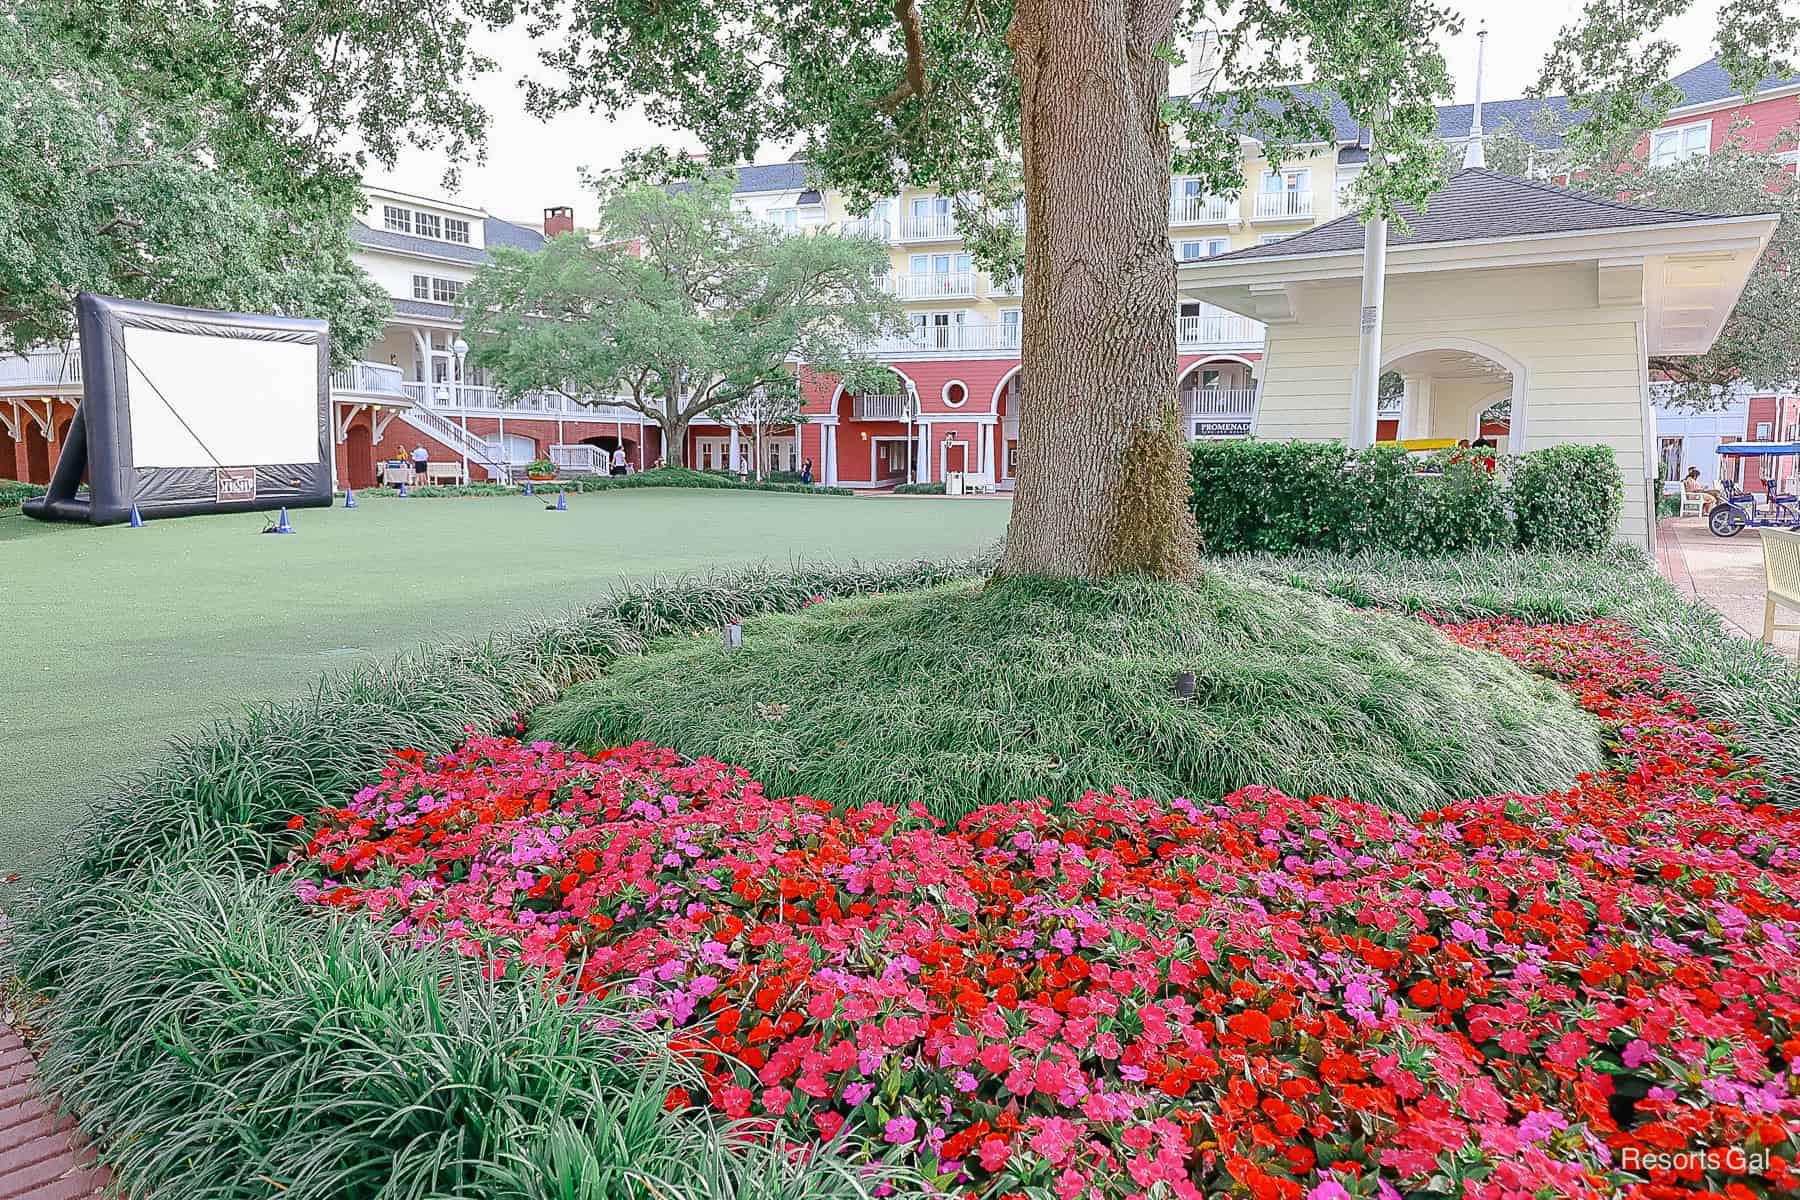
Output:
x=451 y=434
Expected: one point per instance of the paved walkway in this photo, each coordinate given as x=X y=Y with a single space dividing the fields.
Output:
x=1725 y=573
x=42 y=1155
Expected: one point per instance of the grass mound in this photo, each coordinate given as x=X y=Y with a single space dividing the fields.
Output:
x=967 y=694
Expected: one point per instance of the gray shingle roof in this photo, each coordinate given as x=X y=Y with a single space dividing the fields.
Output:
x=1522 y=115
x=772 y=177
x=505 y=233
x=1710 y=82
x=1476 y=203
x=425 y=308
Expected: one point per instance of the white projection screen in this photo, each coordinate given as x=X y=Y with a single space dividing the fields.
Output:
x=186 y=411
x=201 y=400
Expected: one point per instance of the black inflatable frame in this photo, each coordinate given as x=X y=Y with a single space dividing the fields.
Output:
x=99 y=444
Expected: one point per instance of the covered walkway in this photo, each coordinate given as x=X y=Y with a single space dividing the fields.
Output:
x=1726 y=574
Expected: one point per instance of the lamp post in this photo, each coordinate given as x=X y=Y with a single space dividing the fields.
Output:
x=1374 y=286
x=460 y=348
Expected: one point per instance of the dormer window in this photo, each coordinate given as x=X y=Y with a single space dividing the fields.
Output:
x=428 y=225
x=456 y=231
x=419 y=223
x=397 y=219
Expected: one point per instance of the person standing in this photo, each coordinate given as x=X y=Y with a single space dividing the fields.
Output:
x=618 y=461
x=806 y=474
x=420 y=456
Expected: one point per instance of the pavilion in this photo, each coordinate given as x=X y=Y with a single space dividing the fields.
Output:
x=1503 y=291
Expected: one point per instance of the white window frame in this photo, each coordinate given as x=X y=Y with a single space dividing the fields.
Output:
x=421 y=287
x=786 y=219
x=456 y=230
x=446 y=291
x=396 y=219
x=1292 y=179
x=1269 y=239
x=428 y=225
x=1197 y=245
x=1678 y=143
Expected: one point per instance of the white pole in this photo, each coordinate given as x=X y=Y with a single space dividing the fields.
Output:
x=1475 y=155
x=1364 y=401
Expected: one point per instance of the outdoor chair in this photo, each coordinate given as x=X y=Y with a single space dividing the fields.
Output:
x=1781 y=563
x=394 y=474
x=443 y=472
x=1693 y=504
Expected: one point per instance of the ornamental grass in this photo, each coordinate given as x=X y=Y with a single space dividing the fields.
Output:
x=1129 y=996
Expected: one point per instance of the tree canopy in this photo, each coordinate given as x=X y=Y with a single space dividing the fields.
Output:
x=211 y=155
x=686 y=308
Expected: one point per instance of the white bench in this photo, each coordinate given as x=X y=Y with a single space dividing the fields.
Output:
x=443 y=472
x=1781 y=563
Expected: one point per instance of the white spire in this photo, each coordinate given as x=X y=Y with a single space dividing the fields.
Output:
x=1473 y=154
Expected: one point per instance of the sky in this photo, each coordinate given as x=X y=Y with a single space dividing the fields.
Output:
x=533 y=164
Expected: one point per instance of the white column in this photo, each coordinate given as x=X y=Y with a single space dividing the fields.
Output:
x=924 y=453
x=828 y=453
x=731 y=460
x=987 y=452
x=1415 y=406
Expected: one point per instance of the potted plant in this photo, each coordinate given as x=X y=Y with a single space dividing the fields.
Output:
x=543 y=468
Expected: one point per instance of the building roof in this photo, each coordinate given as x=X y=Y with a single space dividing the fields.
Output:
x=1523 y=115
x=1476 y=203
x=787 y=176
x=494 y=231
x=424 y=308
x=1710 y=83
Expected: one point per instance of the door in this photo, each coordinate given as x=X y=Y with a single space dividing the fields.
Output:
x=956 y=456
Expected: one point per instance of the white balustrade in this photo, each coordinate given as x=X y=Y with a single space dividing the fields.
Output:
x=932 y=285
x=1284 y=204
x=928 y=227
x=1217 y=328
x=50 y=367
x=1200 y=210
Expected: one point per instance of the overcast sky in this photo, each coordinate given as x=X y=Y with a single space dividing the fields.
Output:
x=532 y=164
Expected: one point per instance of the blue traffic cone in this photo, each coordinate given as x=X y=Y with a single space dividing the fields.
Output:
x=528 y=490
x=281 y=523
x=562 y=501
x=137 y=518
x=349 y=497
x=403 y=491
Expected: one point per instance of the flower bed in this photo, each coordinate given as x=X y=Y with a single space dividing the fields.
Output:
x=1579 y=993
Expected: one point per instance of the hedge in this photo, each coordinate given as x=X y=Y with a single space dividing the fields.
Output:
x=919 y=489
x=668 y=477
x=1274 y=497
x=13 y=493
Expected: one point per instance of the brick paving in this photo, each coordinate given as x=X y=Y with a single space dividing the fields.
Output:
x=42 y=1155
x=1725 y=573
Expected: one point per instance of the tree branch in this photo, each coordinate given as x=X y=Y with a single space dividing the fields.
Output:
x=915 y=83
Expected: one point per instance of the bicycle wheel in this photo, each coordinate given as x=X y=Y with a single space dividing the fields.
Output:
x=1726 y=520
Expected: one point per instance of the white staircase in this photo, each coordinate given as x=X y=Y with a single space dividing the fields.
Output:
x=452 y=435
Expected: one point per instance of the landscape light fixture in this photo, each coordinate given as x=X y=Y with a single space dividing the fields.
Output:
x=1184 y=686
x=460 y=348
x=734 y=635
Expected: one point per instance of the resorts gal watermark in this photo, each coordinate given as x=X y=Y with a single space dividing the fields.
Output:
x=1734 y=1160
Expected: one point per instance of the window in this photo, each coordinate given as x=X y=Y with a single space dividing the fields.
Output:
x=456 y=230
x=1288 y=181
x=1009 y=327
x=1764 y=430
x=1269 y=239
x=446 y=291
x=1668 y=454
x=421 y=287
x=1190 y=250
x=428 y=225
x=1217 y=246
x=786 y=219
x=1682 y=142
x=397 y=219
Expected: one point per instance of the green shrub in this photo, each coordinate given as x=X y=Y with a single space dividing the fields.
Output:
x=13 y=493
x=686 y=477
x=965 y=695
x=540 y=466
x=1568 y=498
x=919 y=489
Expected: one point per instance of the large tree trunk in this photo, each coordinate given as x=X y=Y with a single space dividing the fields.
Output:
x=1102 y=479
x=674 y=431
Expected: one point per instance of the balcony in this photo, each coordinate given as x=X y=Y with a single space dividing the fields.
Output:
x=1200 y=210
x=369 y=379
x=892 y=407
x=934 y=285
x=1217 y=328
x=929 y=227
x=1219 y=404
x=1283 y=206
x=45 y=371
x=487 y=401
x=953 y=339
x=879 y=229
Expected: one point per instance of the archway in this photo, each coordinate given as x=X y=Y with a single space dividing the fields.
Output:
x=359 y=455
x=9 y=459
x=1217 y=396
x=1006 y=430
x=37 y=453
x=1449 y=382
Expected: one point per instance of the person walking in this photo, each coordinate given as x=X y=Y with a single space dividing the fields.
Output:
x=618 y=461
x=806 y=474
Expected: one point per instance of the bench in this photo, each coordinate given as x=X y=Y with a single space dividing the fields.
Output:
x=1781 y=563
x=443 y=472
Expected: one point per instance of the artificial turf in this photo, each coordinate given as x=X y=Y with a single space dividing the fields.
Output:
x=121 y=638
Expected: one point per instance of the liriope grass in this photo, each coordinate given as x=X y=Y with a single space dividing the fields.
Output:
x=1735 y=677
x=971 y=694
x=217 y=1040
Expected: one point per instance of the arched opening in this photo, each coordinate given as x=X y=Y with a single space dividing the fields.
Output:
x=1217 y=398
x=515 y=450
x=359 y=455
x=9 y=454
x=1447 y=387
x=37 y=453
x=1006 y=427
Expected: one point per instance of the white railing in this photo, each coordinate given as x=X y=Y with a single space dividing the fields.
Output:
x=1199 y=210
x=1281 y=205
x=471 y=446
x=487 y=401
x=879 y=228
x=580 y=459
x=1217 y=328
x=933 y=285
x=891 y=407
x=999 y=288
x=1218 y=403
x=932 y=227
x=971 y=335
x=51 y=367
x=369 y=379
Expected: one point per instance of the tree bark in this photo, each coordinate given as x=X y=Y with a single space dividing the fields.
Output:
x=1102 y=479
x=674 y=431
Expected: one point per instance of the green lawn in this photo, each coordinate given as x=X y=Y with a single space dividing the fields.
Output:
x=120 y=638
